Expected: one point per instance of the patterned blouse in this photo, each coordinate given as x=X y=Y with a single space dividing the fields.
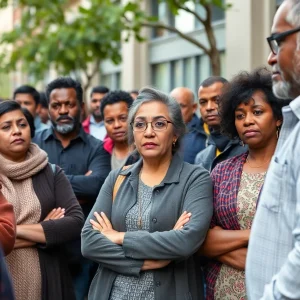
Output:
x=230 y=283
x=142 y=287
x=226 y=178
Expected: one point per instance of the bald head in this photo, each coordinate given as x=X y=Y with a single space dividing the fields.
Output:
x=185 y=98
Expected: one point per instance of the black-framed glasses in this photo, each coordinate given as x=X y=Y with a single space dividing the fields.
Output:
x=275 y=39
x=157 y=125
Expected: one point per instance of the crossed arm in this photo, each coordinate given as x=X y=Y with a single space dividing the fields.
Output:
x=226 y=246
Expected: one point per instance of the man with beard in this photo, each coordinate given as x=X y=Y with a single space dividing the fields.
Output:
x=80 y=155
x=273 y=260
x=220 y=147
x=94 y=124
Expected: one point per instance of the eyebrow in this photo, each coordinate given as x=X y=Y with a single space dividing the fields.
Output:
x=252 y=106
x=153 y=118
x=10 y=121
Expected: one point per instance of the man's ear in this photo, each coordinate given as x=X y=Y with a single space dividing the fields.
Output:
x=38 y=109
x=195 y=106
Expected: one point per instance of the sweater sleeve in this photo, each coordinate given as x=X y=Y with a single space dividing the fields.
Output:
x=97 y=247
x=177 y=244
x=68 y=228
x=7 y=225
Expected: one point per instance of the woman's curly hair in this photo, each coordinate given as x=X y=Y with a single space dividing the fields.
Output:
x=240 y=90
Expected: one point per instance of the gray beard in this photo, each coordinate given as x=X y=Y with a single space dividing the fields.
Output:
x=282 y=89
x=65 y=129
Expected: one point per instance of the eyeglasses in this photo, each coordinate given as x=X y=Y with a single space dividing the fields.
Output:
x=157 y=125
x=275 y=39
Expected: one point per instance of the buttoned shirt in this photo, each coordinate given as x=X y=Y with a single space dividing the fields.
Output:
x=84 y=153
x=97 y=130
x=273 y=259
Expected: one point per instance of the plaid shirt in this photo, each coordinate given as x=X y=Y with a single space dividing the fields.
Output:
x=226 y=178
x=273 y=260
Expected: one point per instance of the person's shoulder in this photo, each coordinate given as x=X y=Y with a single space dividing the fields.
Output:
x=230 y=163
x=41 y=134
x=92 y=141
x=193 y=170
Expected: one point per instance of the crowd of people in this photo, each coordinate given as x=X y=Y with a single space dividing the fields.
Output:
x=144 y=199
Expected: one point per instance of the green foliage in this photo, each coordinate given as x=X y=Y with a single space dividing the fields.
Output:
x=52 y=34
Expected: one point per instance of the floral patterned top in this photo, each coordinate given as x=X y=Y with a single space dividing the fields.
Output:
x=230 y=284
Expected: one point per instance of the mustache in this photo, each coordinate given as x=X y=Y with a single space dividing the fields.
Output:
x=64 y=118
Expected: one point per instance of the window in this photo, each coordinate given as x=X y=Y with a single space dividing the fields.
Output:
x=160 y=76
x=188 y=76
x=218 y=14
x=161 y=10
x=176 y=74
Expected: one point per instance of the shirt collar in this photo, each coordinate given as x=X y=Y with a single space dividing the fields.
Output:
x=49 y=133
x=93 y=121
x=294 y=106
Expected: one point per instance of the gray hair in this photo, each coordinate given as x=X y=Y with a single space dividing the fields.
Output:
x=293 y=17
x=147 y=95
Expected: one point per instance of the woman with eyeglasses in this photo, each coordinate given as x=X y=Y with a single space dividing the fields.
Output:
x=143 y=237
x=249 y=111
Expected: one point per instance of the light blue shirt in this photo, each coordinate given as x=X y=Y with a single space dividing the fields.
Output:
x=273 y=260
x=39 y=125
x=97 y=130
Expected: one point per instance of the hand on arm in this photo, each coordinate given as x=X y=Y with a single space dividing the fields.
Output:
x=26 y=235
x=104 y=226
x=235 y=259
x=220 y=241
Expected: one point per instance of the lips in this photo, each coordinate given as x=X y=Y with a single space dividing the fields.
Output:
x=18 y=141
x=119 y=133
x=250 y=133
x=149 y=145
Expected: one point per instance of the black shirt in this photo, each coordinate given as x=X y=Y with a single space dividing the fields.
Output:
x=84 y=153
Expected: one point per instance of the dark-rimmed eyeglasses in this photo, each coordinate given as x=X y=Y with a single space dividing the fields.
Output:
x=157 y=125
x=275 y=39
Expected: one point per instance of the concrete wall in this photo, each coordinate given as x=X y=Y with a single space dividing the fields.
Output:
x=248 y=23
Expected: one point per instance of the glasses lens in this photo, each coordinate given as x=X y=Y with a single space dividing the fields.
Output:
x=274 y=46
x=159 y=125
x=139 y=126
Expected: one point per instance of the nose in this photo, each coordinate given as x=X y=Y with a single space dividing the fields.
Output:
x=149 y=130
x=16 y=129
x=248 y=119
x=272 y=59
x=63 y=110
x=117 y=124
x=210 y=105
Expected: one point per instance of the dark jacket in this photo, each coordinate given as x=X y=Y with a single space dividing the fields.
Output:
x=185 y=187
x=207 y=157
x=84 y=153
x=194 y=140
x=6 y=289
x=54 y=190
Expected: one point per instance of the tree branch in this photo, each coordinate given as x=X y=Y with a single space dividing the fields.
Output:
x=185 y=8
x=175 y=30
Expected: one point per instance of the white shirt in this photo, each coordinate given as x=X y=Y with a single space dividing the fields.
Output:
x=97 y=130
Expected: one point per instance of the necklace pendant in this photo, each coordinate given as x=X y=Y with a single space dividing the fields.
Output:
x=140 y=223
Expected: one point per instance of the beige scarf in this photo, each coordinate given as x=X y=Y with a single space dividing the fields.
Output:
x=17 y=187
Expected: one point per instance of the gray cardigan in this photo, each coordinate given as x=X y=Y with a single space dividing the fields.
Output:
x=185 y=187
